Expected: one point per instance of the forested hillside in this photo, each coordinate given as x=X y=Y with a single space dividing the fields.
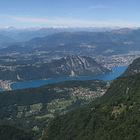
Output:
x=114 y=116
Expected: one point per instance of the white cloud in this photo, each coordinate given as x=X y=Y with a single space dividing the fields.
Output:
x=67 y=22
x=59 y=21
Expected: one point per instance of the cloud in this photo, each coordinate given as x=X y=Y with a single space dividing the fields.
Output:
x=58 y=21
x=66 y=22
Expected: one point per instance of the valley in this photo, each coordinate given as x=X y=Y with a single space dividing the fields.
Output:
x=69 y=70
x=51 y=56
x=35 y=108
x=69 y=84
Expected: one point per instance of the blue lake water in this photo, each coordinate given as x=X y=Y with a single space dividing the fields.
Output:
x=1 y=90
x=116 y=72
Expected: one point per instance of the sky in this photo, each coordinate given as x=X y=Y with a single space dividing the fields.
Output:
x=69 y=13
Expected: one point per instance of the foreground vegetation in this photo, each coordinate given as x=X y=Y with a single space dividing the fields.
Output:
x=11 y=133
x=33 y=109
x=115 y=116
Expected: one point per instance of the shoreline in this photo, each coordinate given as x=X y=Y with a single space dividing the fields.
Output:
x=6 y=85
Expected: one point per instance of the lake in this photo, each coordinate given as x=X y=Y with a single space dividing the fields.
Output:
x=1 y=90
x=116 y=72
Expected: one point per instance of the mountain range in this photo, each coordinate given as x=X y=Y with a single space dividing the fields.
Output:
x=72 y=110
x=64 y=67
x=113 y=42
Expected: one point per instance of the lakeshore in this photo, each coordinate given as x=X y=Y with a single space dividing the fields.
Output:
x=11 y=85
x=116 y=72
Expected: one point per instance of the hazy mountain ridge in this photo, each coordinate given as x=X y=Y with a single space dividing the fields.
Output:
x=26 y=34
x=5 y=41
x=103 y=43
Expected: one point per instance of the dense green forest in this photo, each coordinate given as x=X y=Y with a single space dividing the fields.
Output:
x=115 y=116
x=32 y=109
x=11 y=133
